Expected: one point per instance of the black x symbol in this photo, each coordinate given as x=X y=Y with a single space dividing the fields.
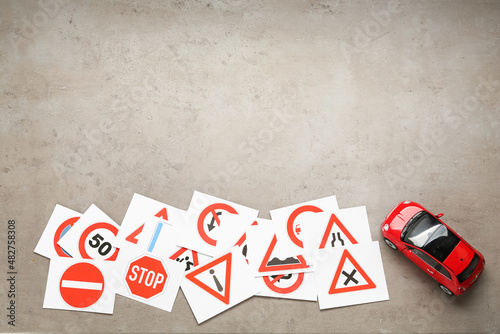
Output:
x=350 y=277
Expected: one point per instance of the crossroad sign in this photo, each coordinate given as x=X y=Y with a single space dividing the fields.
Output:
x=350 y=279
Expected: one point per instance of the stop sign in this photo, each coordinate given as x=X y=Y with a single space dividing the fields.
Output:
x=146 y=277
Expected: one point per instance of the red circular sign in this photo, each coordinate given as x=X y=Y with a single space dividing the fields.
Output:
x=81 y=285
x=211 y=209
x=293 y=216
x=97 y=241
x=271 y=284
x=146 y=277
x=67 y=223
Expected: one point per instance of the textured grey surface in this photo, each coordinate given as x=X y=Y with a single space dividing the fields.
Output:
x=265 y=103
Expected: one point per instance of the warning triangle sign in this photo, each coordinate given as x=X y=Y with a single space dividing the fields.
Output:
x=335 y=221
x=224 y=287
x=297 y=262
x=349 y=276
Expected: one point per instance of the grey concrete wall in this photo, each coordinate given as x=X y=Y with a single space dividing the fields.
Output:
x=265 y=103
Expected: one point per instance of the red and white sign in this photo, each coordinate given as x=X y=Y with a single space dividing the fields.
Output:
x=265 y=256
x=95 y=242
x=219 y=285
x=350 y=281
x=60 y=222
x=330 y=233
x=212 y=213
x=333 y=230
x=291 y=220
x=80 y=285
x=350 y=275
x=146 y=277
x=272 y=282
x=92 y=236
x=208 y=218
x=299 y=286
x=276 y=264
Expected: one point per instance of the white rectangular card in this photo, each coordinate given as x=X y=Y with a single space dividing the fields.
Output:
x=80 y=285
x=350 y=275
x=218 y=285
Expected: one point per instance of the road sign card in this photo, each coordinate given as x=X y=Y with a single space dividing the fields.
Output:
x=346 y=227
x=205 y=217
x=218 y=285
x=350 y=275
x=61 y=220
x=92 y=236
x=150 y=279
x=79 y=285
x=299 y=286
x=289 y=221
x=139 y=209
x=265 y=254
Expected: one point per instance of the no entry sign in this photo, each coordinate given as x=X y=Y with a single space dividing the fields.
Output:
x=81 y=285
x=146 y=277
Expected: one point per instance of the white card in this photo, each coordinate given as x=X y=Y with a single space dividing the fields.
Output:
x=61 y=220
x=290 y=220
x=219 y=285
x=92 y=236
x=150 y=279
x=299 y=286
x=79 y=285
x=265 y=254
x=350 y=275
x=205 y=216
x=139 y=209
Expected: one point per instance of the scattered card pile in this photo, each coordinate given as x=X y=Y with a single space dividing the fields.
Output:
x=218 y=252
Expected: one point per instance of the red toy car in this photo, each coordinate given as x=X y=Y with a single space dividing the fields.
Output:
x=433 y=246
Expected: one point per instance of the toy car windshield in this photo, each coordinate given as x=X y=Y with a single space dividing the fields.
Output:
x=426 y=232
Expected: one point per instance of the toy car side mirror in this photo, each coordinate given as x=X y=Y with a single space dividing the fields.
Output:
x=439 y=215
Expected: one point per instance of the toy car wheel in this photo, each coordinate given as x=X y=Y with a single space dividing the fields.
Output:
x=390 y=244
x=446 y=290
